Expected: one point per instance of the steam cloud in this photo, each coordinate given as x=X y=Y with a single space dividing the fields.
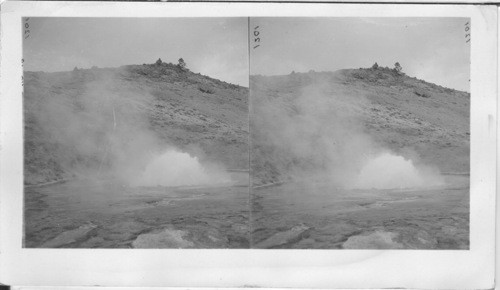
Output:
x=387 y=171
x=174 y=168
x=317 y=132
x=99 y=127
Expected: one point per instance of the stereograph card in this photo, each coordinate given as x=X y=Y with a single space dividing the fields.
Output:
x=248 y=145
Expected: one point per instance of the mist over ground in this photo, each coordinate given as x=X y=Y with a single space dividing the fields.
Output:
x=176 y=168
x=389 y=171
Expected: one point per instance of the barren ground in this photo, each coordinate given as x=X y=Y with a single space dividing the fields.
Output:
x=86 y=214
x=436 y=218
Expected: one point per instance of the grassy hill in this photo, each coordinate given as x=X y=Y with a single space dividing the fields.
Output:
x=354 y=111
x=103 y=120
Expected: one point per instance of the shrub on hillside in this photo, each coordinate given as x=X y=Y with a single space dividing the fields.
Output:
x=206 y=89
x=181 y=63
x=398 y=68
x=422 y=93
x=361 y=74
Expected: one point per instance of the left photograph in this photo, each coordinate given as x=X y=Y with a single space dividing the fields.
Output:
x=136 y=133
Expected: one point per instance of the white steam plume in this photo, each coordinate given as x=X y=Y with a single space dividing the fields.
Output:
x=317 y=131
x=389 y=171
x=98 y=126
x=175 y=168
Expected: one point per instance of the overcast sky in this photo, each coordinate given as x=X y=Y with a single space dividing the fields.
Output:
x=217 y=47
x=432 y=49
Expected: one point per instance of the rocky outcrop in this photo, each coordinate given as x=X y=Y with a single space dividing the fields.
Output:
x=70 y=237
x=191 y=236
x=166 y=238
x=376 y=240
x=292 y=235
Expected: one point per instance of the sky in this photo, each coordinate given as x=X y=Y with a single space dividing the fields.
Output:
x=216 y=47
x=432 y=49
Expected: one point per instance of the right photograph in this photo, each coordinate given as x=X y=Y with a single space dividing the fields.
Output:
x=360 y=133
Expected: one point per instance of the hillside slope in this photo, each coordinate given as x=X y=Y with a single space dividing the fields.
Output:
x=100 y=120
x=340 y=111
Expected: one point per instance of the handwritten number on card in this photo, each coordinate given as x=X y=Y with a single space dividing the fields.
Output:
x=256 y=39
x=26 y=28
x=467 y=32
